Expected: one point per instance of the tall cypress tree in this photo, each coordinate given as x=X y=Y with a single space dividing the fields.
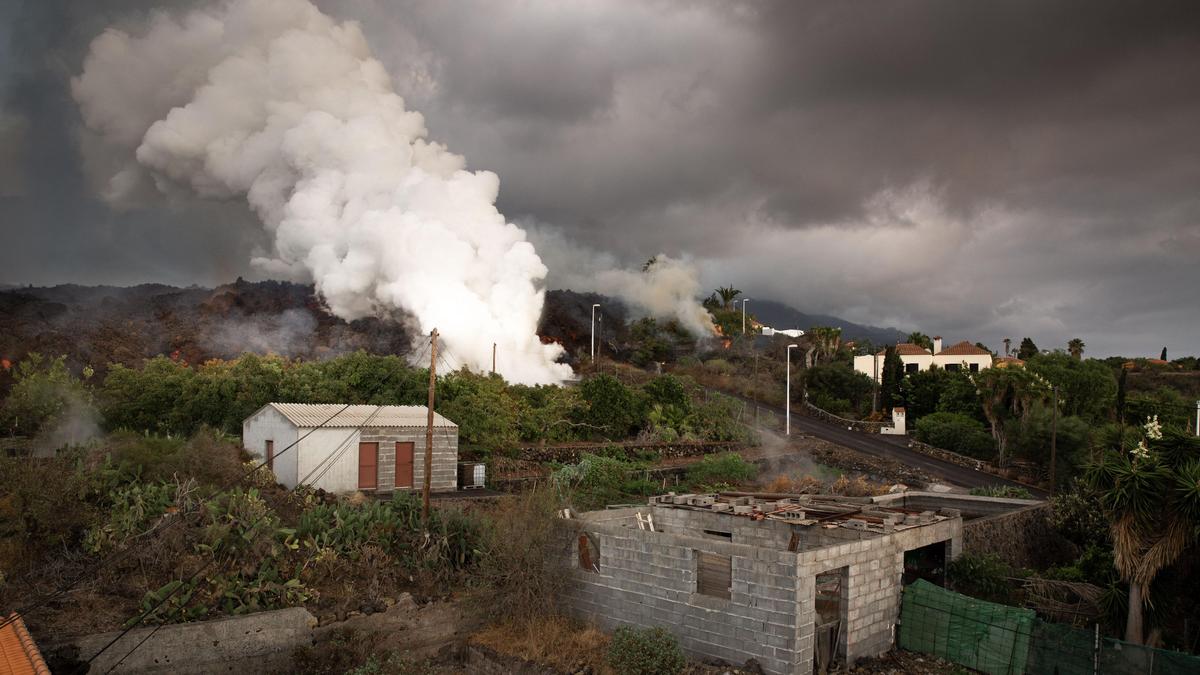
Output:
x=1164 y=354
x=1027 y=350
x=893 y=373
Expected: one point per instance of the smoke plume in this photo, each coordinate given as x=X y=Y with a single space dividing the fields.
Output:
x=665 y=287
x=274 y=102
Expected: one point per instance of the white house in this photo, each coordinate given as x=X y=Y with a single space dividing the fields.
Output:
x=363 y=447
x=961 y=356
x=790 y=332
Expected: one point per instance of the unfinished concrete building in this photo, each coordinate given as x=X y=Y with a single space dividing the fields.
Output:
x=788 y=582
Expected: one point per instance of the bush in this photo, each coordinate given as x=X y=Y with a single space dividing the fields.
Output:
x=1004 y=491
x=727 y=467
x=645 y=651
x=986 y=577
x=957 y=433
x=524 y=568
x=592 y=483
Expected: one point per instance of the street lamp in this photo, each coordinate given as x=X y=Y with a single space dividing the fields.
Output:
x=788 y=401
x=594 y=306
x=744 y=301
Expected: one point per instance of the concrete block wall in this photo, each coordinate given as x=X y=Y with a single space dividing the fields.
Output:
x=444 y=477
x=649 y=579
x=771 y=534
x=876 y=568
x=970 y=506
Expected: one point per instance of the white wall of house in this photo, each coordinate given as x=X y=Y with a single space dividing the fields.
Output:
x=269 y=424
x=980 y=361
x=866 y=364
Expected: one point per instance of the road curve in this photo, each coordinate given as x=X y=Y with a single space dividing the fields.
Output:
x=893 y=448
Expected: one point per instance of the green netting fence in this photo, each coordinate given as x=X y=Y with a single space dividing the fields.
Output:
x=999 y=639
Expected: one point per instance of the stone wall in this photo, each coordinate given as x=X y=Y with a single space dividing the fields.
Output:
x=570 y=453
x=1022 y=538
x=857 y=425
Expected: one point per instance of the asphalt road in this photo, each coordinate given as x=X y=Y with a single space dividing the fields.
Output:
x=894 y=448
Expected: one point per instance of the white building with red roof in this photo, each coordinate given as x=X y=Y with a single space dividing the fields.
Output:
x=962 y=356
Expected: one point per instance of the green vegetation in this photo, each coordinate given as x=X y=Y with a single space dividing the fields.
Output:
x=724 y=469
x=43 y=393
x=645 y=651
x=1005 y=491
x=957 y=433
x=839 y=389
x=984 y=576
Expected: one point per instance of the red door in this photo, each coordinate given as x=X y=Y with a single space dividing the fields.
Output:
x=368 y=466
x=404 y=464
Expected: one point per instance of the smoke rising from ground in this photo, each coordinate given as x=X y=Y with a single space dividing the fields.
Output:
x=669 y=288
x=273 y=101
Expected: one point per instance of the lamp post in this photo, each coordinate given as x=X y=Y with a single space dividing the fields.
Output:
x=788 y=396
x=594 y=306
x=744 y=301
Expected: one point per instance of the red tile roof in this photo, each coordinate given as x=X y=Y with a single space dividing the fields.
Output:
x=19 y=654
x=908 y=349
x=964 y=348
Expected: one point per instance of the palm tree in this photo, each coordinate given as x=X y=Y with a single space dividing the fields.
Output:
x=1075 y=347
x=727 y=293
x=921 y=340
x=1151 y=498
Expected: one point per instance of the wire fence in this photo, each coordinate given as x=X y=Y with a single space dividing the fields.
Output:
x=1003 y=640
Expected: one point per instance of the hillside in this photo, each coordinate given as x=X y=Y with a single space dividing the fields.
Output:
x=781 y=316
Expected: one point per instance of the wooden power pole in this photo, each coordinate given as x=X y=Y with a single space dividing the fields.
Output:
x=1054 y=441
x=493 y=358
x=429 y=429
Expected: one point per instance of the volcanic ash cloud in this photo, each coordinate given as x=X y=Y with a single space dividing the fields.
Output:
x=275 y=102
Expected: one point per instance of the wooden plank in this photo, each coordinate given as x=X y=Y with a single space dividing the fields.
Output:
x=714 y=575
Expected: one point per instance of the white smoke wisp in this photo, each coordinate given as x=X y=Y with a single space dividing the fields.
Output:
x=667 y=289
x=273 y=101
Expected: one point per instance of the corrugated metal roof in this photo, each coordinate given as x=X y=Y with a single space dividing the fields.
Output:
x=314 y=414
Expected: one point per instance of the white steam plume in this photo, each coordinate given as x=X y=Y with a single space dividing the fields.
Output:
x=668 y=289
x=274 y=101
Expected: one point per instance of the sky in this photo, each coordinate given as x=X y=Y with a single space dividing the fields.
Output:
x=974 y=170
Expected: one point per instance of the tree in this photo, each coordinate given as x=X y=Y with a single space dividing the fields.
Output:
x=1151 y=499
x=611 y=407
x=826 y=341
x=1075 y=347
x=486 y=413
x=1008 y=395
x=1163 y=356
x=1087 y=388
x=1027 y=349
x=827 y=383
x=727 y=294
x=893 y=373
x=43 y=392
x=922 y=391
x=921 y=340
x=648 y=343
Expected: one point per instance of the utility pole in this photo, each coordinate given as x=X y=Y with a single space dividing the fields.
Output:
x=433 y=336
x=875 y=391
x=744 y=301
x=1198 y=418
x=788 y=395
x=493 y=358
x=1054 y=441
x=755 y=390
x=593 y=352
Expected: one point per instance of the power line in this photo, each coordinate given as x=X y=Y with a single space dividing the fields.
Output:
x=138 y=620
x=128 y=550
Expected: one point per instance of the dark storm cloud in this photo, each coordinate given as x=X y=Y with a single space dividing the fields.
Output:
x=977 y=169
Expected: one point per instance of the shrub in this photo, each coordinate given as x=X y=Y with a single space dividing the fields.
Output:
x=1005 y=491
x=524 y=568
x=727 y=467
x=592 y=483
x=957 y=433
x=645 y=651
x=986 y=577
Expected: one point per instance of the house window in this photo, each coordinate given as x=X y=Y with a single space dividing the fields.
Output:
x=714 y=575
x=270 y=454
x=912 y=367
x=589 y=554
x=727 y=536
x=953 y=367
x=974 y=367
